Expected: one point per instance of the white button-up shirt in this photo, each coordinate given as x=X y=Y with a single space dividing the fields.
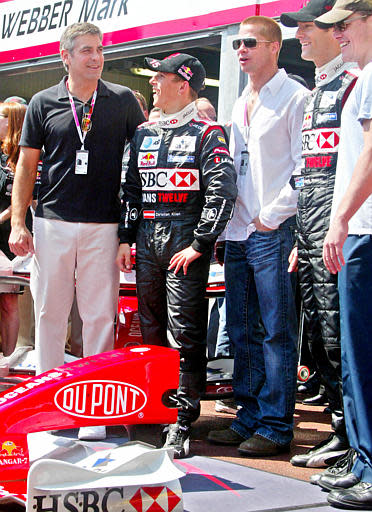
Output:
x=273 y=142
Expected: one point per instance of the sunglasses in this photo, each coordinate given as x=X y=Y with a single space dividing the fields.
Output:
x=341 y=26
x=249 y=42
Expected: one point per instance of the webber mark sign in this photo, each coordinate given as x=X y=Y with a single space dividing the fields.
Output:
x=32 y=29
x=58 y=14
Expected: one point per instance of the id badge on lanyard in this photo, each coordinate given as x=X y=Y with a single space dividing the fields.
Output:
x=244 y=156
x=82 y=155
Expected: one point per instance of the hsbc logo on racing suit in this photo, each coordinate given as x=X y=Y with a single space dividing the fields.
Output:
x=100 y=399
x=320 y=141
x=170 y=179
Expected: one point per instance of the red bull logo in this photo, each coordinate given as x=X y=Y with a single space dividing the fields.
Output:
x=186 y=72
x=11 y=454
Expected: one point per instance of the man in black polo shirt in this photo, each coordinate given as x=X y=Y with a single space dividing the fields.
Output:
x=82 y=124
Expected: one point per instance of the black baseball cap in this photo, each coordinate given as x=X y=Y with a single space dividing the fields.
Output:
x=311 y=11
x=187 y=67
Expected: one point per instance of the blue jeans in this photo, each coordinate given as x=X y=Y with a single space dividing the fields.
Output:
x=355 y=285
x=262 y=326
x=218 y=341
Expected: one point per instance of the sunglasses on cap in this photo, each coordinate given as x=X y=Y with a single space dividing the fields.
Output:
x=249 y=42
x=341 y=26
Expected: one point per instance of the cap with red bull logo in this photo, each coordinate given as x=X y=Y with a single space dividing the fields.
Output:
x=186 y=66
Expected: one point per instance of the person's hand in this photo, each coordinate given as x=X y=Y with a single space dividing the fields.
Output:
x=333 y=243
x=293 y=260
x=20 y=241
x=183 y=259
x=123 y=259
x=259 y=226
x=219 y=252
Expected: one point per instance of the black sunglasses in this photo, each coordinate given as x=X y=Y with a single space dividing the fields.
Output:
x=249 y=42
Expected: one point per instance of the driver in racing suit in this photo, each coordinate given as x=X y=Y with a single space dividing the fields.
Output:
x=334 y=81
x=179 y=194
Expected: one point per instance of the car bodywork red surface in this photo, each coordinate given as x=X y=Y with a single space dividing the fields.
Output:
x=123 y=387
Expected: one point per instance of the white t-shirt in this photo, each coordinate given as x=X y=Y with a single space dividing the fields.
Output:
x=266 y=154
x=357 y=108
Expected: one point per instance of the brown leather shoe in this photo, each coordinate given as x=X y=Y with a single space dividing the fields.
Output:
x=259 y=446
x=227 y=436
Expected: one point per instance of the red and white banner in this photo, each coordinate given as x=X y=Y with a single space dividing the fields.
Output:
x=32 y=29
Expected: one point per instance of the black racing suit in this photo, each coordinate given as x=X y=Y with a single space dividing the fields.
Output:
x=320 y=137
x=179 y=191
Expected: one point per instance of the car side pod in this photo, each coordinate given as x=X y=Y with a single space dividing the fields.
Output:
x=128 y=386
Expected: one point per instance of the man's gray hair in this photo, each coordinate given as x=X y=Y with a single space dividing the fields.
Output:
x=75 y=30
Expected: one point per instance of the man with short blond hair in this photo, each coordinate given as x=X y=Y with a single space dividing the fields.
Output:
x=266 y=147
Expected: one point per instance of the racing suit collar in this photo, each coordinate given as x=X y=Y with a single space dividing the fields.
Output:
x=329 y=71
x=179 y=118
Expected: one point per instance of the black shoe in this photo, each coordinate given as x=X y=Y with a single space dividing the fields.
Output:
x=226 y=437
x=357 y=497
x=319 y=399
x=342 y=466
x=178 y=438
x=314 y=479
x=259 y=446
x=323 y=454
x=311 y=386
x=340 y=476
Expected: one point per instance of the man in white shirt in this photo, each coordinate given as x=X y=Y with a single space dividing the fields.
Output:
x=261 y=314
x=348 y=246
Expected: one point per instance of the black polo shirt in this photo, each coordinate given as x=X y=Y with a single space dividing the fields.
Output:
x=49 y=124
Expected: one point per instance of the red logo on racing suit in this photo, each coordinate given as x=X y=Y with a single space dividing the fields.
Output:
x=183 y=179
x=327 y=140
x=223 y=151
x=100 y=399
x=148 y=160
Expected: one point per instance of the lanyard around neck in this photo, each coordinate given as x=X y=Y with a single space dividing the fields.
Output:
x=82 y=134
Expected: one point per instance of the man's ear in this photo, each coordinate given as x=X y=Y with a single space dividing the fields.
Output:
x=184 y=87
x=64 y=56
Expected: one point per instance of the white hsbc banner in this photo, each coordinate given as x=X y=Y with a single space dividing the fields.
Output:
x=32 y=28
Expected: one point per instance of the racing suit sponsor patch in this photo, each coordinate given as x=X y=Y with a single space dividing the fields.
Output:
x=328 y=99
x=318 y=161
x=299 y=181
x=147 y=159
x=327 y=116
x=151 y=143
x=133 y=214
x=308 y=117
x=223 y=151
x=320 y=140
x=184 y=143
x=170 y=179
x=212 y=213
x=181 y=159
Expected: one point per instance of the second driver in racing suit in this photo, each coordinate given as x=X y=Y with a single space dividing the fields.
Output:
x=320 y=135
x=178 y=196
